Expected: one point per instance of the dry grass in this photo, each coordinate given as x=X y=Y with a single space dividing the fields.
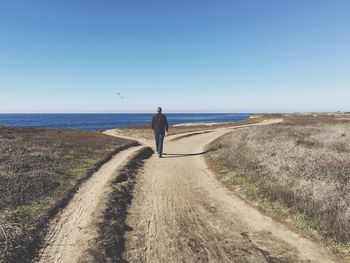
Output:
x=39 y=171
x=303 y=164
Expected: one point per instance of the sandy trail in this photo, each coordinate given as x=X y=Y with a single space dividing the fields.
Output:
x=73 y=231
x=182 y=213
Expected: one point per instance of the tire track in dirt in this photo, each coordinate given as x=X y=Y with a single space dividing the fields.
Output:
x=73 y=231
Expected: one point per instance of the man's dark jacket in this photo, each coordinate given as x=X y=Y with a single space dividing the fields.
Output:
x=159 y=123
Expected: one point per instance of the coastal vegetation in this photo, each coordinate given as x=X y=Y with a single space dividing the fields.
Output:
x=299 y=170
x=40 y=169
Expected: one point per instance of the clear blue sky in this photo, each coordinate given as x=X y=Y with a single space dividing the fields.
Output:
x=185 y=55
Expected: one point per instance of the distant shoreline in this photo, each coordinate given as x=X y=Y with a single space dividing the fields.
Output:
x=95 y=122
x=98 y=122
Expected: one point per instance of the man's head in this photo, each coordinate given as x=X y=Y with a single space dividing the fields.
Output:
x=159 y=110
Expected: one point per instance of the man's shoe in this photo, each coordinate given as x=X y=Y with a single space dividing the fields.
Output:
x=159 y=155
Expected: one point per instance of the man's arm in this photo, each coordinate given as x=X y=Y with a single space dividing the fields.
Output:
x=166 y=124
x=153 y=120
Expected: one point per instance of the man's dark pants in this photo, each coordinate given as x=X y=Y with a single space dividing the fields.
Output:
x=159 y=142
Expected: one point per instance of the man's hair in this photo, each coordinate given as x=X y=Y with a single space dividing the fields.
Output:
x=159 y=109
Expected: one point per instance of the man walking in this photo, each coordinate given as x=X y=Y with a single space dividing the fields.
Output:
x=159 y=126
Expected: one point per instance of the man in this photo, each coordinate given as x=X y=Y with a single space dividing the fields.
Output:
x=159 y=126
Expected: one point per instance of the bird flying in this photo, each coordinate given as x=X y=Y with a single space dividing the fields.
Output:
x=119 y=94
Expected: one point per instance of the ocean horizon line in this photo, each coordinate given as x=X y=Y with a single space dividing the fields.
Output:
x=172 y=112
x=98 y=121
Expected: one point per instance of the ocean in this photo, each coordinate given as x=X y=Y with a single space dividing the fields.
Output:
x=93 y=122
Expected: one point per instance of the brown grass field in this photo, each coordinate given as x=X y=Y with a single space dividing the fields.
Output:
x=302 y=164
x=40 y=169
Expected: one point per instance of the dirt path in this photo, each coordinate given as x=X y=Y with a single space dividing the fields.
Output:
x=74 y=230
x=181 y=213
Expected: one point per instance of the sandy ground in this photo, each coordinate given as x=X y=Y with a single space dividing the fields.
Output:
x=180 y=213
x=74 y=229
x=196 y=124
